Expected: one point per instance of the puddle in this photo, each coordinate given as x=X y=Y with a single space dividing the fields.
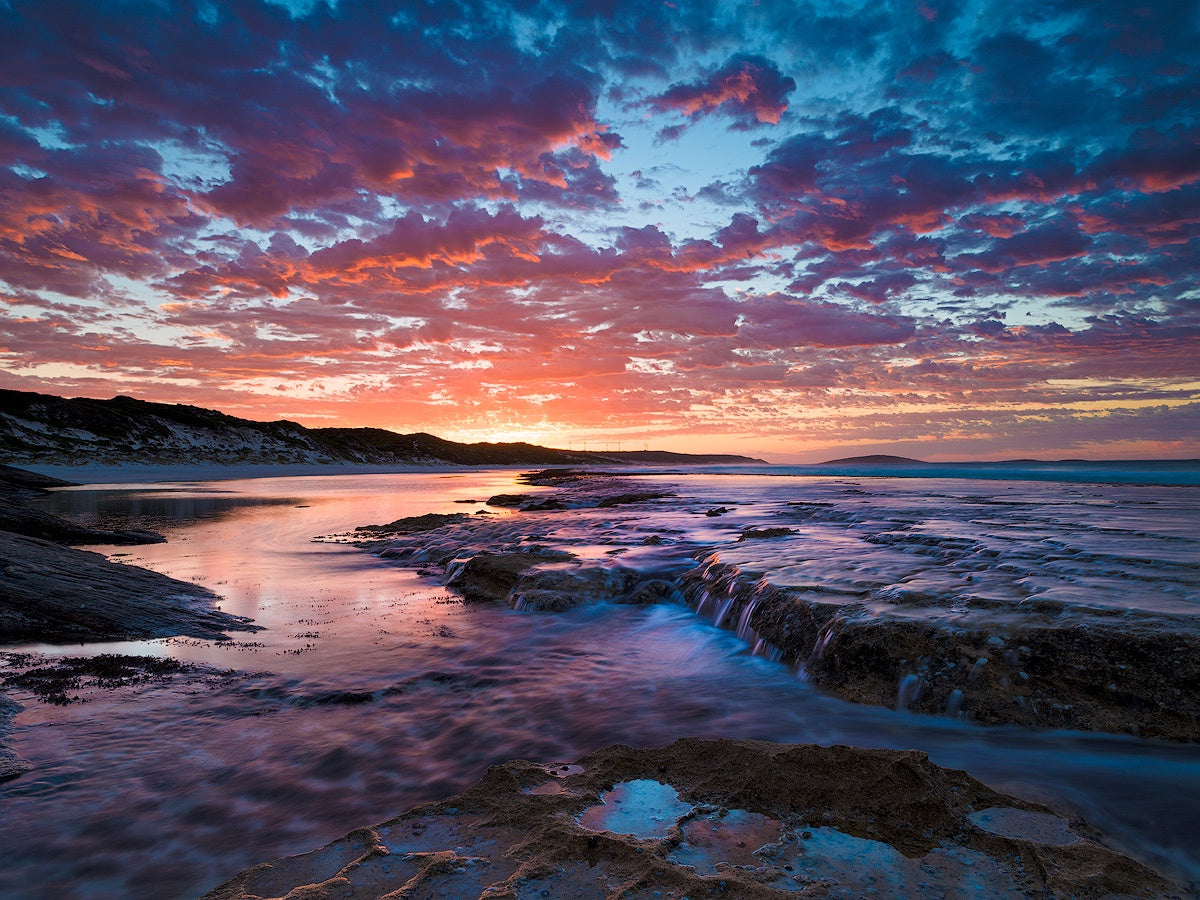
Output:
x=730 y=840
x=643 y=808
x=860 y=867
x=1041 y=828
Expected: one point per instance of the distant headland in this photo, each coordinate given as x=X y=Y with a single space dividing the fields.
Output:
x=881 y=460
x=42 y=429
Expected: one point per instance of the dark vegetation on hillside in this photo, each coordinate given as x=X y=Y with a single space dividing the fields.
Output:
x=41 y=428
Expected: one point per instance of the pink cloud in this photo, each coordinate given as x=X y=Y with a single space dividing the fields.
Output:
x=748 y=88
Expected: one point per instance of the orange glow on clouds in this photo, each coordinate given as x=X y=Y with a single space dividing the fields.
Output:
x=652 y=226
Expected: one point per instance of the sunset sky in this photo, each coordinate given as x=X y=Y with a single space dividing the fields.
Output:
x=797 y=230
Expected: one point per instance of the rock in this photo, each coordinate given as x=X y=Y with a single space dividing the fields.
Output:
x=55 y=594
x=562 y=588
x=544 y=504
x=490 y=577
x=754 y=534
x=631 y=497
x=20 y=519
x=509 y=501
x=1050 y=665
x=1048 y=672
x=18 y=486
x=415 y=524
x=745 y=819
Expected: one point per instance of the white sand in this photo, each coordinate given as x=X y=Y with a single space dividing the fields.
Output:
x=141 y=473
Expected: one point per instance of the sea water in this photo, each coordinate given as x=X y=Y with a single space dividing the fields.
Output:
x=372 y=689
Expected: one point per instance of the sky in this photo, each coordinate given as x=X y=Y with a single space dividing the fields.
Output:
x=796 y=230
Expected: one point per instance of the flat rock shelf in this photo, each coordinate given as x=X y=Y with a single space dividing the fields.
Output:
x=745 y=819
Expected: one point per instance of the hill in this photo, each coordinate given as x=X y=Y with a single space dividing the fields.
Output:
x=878 y=459
x=44 y=429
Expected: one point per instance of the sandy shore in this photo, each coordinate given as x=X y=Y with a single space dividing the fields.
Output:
x=142 y=473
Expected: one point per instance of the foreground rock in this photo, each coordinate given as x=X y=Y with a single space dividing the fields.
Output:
x=743 y=819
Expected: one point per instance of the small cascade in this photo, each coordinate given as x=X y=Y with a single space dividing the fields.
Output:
x=720 y=593
x=723 y=612
x=744 y=631
x=822 y=643
x=954 y=703
x=909 y=691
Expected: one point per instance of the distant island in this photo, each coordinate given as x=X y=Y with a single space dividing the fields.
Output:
x=42 y=429
x=878 y=459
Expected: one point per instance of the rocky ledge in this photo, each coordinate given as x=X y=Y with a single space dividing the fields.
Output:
x=1055 y=668
x=54 y=593
x=745 y=819
x=1040 y=663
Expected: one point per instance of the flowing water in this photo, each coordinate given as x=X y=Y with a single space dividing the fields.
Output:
x=373 y=689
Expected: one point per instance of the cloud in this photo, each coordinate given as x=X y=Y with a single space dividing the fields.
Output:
x=780 y=322
x=320 y=207
x=748 y=89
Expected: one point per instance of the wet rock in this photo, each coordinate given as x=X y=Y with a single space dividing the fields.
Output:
x=745 y=819
x=904 y=645
x=757 y=534
x=1108 y=673
x=509 y=501
x=490 y=577
x=543 y=505
x=414 y=524
x=562 y=588
x=18 y=487
x=631 y=497
x=55 y=594
x=20 y=519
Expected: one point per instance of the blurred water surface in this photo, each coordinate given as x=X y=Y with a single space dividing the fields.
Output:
x=372 y=689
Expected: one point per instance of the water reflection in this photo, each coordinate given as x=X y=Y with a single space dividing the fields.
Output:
x=151 y=509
